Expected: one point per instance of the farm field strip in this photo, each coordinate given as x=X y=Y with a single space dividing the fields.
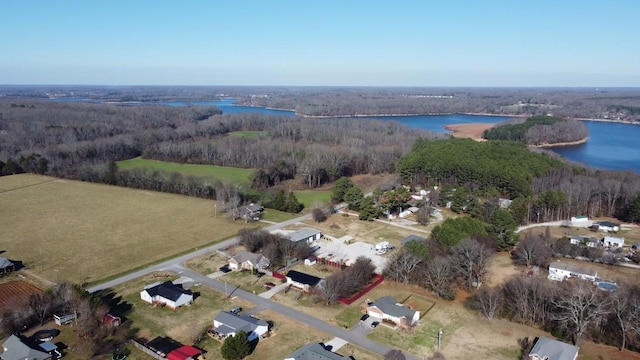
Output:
x=222 y=173
x=77 y=231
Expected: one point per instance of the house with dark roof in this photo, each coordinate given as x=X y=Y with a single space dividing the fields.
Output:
x=302 y=281
x=251 y=212
x=411 y=238
x=6 y=266
x=607 y=226
x=166 y=294
x=549 y=349
x=388 y=308
x=21 y=348
x=314 y=351
x=228 y=324
x=248 y=260
x=307 y=235
x=163 y=345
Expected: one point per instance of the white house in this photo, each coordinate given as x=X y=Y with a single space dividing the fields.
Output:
x=549 y=349
x=314 y=351
x=588 y=241
x=580 y=221
x=248 y=260
x=607 y=226
x=559 y=272
x=613 y=241
x=387 y=308
x=302 y=281
x=167 y=294
x=228 y=324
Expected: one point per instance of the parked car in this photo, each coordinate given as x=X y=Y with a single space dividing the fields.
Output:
x=225 y=269
x=269 y=285
x=235 y=310
x=364 y=317
x=375 y=323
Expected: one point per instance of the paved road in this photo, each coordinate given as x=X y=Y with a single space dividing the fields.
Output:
x=356 y=338
x=176 y=265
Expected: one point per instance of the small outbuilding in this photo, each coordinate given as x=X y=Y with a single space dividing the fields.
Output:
x=185 y=352
x=307 y=235
x=111 y=320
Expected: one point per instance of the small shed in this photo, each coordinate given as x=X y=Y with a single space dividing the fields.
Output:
x=111 y=320
x=185 y=352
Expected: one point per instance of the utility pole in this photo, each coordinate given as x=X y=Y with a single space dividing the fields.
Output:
x=439 y=336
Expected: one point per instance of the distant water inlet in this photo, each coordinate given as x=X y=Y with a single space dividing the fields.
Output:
x=607 y=286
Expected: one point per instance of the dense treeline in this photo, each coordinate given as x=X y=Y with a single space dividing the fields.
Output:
x=538 y=130
x=542 y=189
x=610 y=103
x=74 y=135
x=506 y=166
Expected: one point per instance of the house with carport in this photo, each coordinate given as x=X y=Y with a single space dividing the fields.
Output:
x=166 y=294
x=226 y=324
x=248 y=261
x=388 y=308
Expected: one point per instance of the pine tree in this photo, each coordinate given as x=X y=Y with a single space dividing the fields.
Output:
x=236 y=347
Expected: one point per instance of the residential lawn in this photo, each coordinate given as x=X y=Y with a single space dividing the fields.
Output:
x=208 y=263
x=349 y=316
x=277 y=216
x=287 y=336
x=184 y=324
x=85 y=232
x=245 y=280
x=248 y=134
x=305 y=303
x=358 y=353
x=222 y=173
x=309 y=198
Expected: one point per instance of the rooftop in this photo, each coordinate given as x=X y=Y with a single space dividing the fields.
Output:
x=303 y=278
x=314 y=351
x=167 y=290
x=390 y=306
x=554 y=350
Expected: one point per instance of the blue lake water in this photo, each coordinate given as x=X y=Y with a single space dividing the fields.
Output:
x=612 y=146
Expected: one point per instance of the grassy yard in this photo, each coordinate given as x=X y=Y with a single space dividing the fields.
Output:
x=84 y=232
x=183 y=324
x=287 y=336
x=222 y=173
x=208 y=263
x=312 y=197
x=277 y=216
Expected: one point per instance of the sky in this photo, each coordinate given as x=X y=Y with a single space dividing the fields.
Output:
x=564 y=43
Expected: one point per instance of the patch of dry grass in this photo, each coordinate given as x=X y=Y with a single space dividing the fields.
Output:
x=78 y=231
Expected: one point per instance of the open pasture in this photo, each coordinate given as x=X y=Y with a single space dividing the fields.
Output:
x=222 y=173
x=84 y=232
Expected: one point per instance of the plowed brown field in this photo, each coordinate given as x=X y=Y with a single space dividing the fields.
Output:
x=15 y=291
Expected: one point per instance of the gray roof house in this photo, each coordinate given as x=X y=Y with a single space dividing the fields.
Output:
x=314 y=351
x=387 y=308
x=589 y=241
x=549 y=349
x=6 y=265
x=248 y=260
x=228 y=324
x=17 y=348
x=305 y=234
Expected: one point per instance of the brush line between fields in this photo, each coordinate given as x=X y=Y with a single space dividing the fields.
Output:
x=26 y=186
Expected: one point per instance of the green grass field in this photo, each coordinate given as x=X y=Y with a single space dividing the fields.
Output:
x=222 y=173
x=310 y=197
x=248 y=134
x=84 y=232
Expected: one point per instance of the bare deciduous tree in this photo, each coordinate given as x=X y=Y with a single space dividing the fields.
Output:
x=472 y=260
x=439 y=274
x=531 y=250
x=489 y=301
x=583 y=306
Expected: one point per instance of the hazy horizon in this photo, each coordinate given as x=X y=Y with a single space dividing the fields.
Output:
x=495 y=43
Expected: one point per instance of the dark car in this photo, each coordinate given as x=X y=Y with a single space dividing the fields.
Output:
x=364 y=317
x=269 y=285
x=235 y=310
x=225 y=269
x=375 y=323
